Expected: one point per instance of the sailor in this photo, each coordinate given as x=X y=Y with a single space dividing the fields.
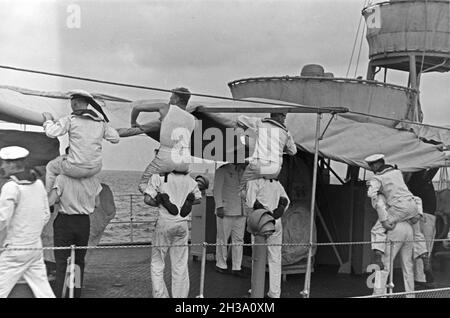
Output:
x=421 y=184
x=176 y=126
x=270 y=195
x=24 y=211
x=77 y=199
x=86 y=131
x=402 y=235
x=171 y=230
x=394 y=203
x=231 y=216
x=272 y=139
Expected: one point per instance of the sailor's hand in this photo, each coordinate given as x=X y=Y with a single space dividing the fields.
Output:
x=415 y=219
x=148 y=199
x=47 y=116
x=135 y=125
x=220 y=213
x=389 y=226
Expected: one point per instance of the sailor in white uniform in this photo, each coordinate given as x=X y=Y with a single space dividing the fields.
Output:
x=270 y=195
x=172 y=230
x=395 y=204
x=24 y=211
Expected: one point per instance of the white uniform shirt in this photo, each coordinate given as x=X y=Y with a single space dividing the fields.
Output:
x=77 y=196
x=178 y=186
x=24 y=211
x=267 y=192
x=226 y=190
x=391 y=184
x=85 y=138
x=272 y=139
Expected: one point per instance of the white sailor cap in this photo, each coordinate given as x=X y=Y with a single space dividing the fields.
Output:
x=13 y=153
x=373 y=158
x=80 y=92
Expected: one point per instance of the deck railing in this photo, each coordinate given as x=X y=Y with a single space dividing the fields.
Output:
x=132 y=197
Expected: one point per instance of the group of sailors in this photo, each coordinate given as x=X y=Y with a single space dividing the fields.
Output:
x=246 y=193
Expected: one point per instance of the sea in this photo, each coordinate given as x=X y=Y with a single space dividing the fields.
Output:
x=130 y=207
x=134 y=221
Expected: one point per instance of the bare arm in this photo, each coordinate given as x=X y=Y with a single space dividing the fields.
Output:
x=128 y=132
x=152 y=126
x=144 y=106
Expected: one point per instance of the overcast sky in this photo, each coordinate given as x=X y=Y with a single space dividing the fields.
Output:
x=202 y=45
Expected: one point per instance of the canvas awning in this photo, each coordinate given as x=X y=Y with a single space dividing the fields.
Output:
x=345 y=140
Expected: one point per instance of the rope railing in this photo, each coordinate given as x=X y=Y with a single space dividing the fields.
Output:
x=213 y=244
x=416 y=292
x=204 y=245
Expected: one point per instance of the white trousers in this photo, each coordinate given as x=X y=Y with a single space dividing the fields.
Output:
x=402 y=232
x=258 y=168
x=428 y=227
x=27 y=264
x=170 y=233
x=226 y=226
x=274 y=260
x=60 y=165
x=378 y=234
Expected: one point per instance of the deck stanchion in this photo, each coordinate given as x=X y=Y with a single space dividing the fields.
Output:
x=131 y=218
x=391 y=267
x=259 y=257
x=202 y=270
x=306 y=290
x=72 y=271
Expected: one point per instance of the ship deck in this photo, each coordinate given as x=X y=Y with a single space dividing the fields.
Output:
x=125 y=273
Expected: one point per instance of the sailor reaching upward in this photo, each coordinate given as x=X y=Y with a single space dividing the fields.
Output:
x=272 y=139
x=86 y=131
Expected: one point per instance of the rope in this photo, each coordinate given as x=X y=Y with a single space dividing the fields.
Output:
x=398 y=120
x=154 y=88
x=359 y=52
x=407 y=293
x=354 y=42
x=210 y=96
x=211 y=244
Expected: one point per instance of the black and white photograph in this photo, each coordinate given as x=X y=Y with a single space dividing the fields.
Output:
x=224 y=153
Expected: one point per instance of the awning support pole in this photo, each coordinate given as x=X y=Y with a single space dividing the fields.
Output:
x=326 y=127
x=306 y=290
x=391 y=267
x=202 y=270
x=72 y=271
